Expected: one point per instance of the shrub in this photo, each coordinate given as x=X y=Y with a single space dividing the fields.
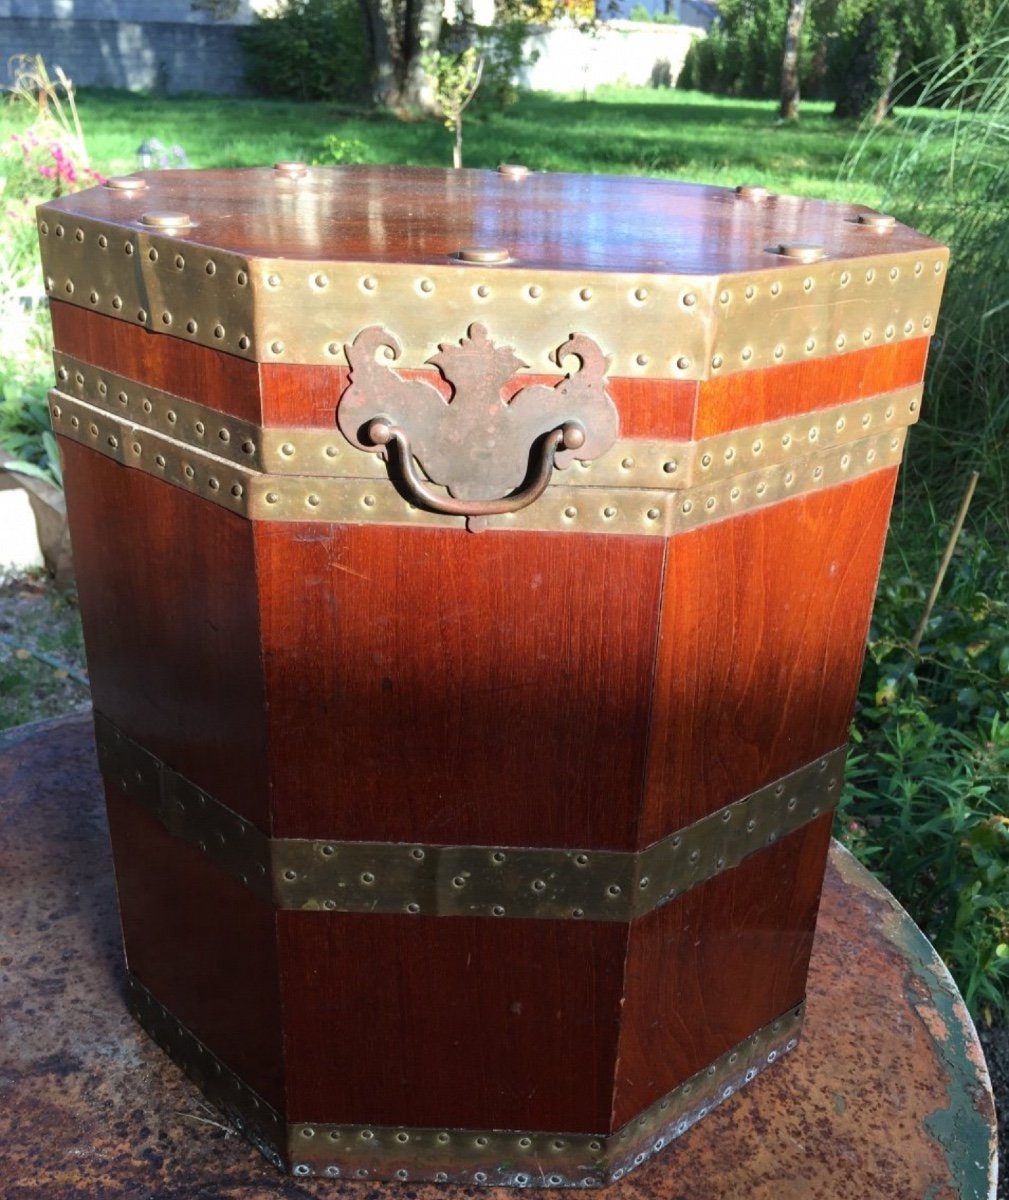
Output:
x=308 y=50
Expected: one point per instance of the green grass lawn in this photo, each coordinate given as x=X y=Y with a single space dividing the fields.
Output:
x=683 y=135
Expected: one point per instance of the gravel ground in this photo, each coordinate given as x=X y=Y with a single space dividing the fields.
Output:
x=43 y=674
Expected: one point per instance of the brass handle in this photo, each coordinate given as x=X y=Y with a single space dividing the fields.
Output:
x=569 y=436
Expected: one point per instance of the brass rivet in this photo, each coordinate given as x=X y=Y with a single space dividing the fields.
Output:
x=845 y=278
x=368 y=501
x=200 y=428
x=571 y=511
x=189 y=472
x=70 y=287
x=224 y=435
x=369 y=283
x=287 y=449
x=152 y=254
x=926 y=322
x=918 y=268
x=880 y=222
x=627 y=463
x=213 y=484
x=652 y=514
x=810 y=344
x=272 y=497
x=752 y=191
x=313 y=500
x=670 y=466
x=807 y=283
x=800 y=251
x=166 y=220
x=113 y=442
x=117 y=302
x=292 y=170
x=775 y=289
x=908 y=326
x=218 y=331
x=640 y=294
x=43 y=227
x=191 y=326
x=747 y=354
x=125 y=183
x=818 y=472
x=682 y=362
x=724 y=298
x=320 y=281
x=166 y=318
x=705 y=460
x=159 y=459
x=840 y=341
x=839 y=424
x=171 y=417
x=141 y=314
x=716 y=362
x=889 y=331
x=513 y=170
x=758 y=446
x=642 y=360
x=690 y=299
x=211 y=268
x=50 y=283
x=866 y=335
x=63 y=373
x=79 y=235
x=93 y=297
x=426 y=286
x=482 y=254
x=483 y=291
x=894 y=273
x=750 y=292
x=779 y=351
x=870 y=275
x=687 y=506
x=609 y=512
x=60 y=231
x=585 y=294
x=277 y=347
x=273 y=280
x=730 y=454
x=535 y=291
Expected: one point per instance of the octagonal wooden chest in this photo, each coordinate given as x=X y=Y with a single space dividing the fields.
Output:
x=475 y=571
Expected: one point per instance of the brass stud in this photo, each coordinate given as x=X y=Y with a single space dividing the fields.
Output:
x=938 y=267
x=716 y=362
x=191 y=326
x=483 y=291
x=776 y=289
x=152 y=254
x=70 y=287
x=60 y=231
x=682 y=362
x=482 y=254
x=313 y=500
x=724 y=297
x=534 y=291
x=277 y=347
x=166 y=220
x=870 y=275
x=642 y=360
x=585 y=294
x=800 y=251
x=750 y=291
x=117 y=302
x=369 y=283
x=571 y=511
x=779 y=351
x=426 y=286
x=333 y=349
x=368 y=501
x=845 y=278
x=926 y=322
x=747 y=354
x=894 y=273
x=166 y=318
x=653 y=514
x=211 y=268
x=876 y=221
x=218 y=331
x=93 y=297
x=125 y=184
x=79 y=235
x=43 y=227
x=810 y=345
x=142 y=315
x=807 y=283
x=641 y=294
x=690 y=299
x=272 y=280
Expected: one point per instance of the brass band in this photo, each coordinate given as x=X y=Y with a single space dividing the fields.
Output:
x=661 y=326
x=509 y=1158
x=418 y=879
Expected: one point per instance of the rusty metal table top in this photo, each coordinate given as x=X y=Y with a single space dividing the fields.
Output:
x=887 y=1095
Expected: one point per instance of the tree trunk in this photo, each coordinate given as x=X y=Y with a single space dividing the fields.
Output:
x=885 y=102
x=789 y=110
x=399 y=35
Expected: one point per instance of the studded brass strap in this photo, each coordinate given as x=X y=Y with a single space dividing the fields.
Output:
x=451 y=880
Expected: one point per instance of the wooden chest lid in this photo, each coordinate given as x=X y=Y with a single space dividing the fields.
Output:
x=674 y=280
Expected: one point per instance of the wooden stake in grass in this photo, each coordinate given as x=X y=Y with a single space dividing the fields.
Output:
x=954 y=537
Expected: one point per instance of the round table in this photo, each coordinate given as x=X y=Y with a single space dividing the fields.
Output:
x=887 y=1094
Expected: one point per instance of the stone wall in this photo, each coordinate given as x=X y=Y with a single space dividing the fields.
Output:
x=159 y=45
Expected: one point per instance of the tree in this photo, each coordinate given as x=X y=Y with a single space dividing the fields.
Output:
x=789 y=110
x=401 y=35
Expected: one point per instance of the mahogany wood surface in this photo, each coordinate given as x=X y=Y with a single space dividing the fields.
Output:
x=167 y=586
x=222 y=381
x=451 y=1021
x=763 y=627
x=202 y=943
x=753 y=397
x=716 y=963
x=437 y=685
x=551 y=221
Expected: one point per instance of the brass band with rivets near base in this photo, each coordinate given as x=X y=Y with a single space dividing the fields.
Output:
x=748 y=469
x=493 y=1157
x=450 y=880
x=661 y=326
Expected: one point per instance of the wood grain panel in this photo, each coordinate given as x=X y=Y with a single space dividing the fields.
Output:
x=223 y=381
x=454 y=1022
x=713 y=965
x=444 y=686
x=167 y=586
x=764 y=621
x=752 y=397
x=202 y=943
x=308 y=396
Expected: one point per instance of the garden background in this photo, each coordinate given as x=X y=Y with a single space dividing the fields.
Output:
x=905 y=107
